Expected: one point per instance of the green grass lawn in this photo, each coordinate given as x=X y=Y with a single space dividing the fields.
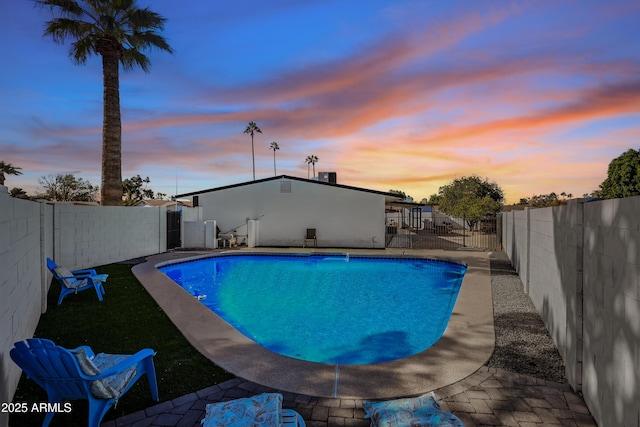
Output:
x=126 y=321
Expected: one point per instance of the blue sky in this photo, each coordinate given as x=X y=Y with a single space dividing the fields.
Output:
x=538 y=96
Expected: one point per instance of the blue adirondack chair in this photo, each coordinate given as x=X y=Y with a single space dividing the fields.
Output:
x=77 y=280
x=80 y=374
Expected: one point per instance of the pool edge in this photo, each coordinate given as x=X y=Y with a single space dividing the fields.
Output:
x=465 y=346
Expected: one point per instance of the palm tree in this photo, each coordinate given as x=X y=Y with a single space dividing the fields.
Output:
x=251 y=129
x=118 y=31
x=9 y=169
x=18 y=193
x=274 y=146
x=311 y=160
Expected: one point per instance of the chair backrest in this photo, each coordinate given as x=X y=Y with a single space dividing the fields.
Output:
x=311 y=233
x=51 y=265
x=52 y=367
x=63 y=275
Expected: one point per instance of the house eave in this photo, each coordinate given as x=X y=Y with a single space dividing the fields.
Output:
x=388 y=196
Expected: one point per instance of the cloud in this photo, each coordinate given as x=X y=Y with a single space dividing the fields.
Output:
x=607 y=101
x=420 y=94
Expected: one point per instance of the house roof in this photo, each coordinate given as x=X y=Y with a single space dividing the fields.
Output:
x=157 y=203
x=403 y=204
x=388 y=196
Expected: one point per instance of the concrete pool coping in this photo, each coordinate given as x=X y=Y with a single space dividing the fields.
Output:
x=465 y=346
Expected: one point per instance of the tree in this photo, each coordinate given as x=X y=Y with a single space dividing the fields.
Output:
x=18 y=193
x=546 y=200
x=594 y=194
x=471 y=198
x=401 y=194
x=623 y=176
x=274 y=146
x=118 y=31
x=433 y=200
x=67 y=188
x=132 y=189
x=311 y=160
x=252 y=128
x=8 y=169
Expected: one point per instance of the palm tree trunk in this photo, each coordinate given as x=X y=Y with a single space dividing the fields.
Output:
x=111 y=188
x=253 y=158
x=274 y=162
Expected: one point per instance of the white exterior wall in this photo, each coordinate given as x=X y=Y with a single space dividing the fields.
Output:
x=74 y=236
x=86 y=236
x=191 y=215
x=555 y=266
x=611 y=378
x=193 y=233
x=342 y=217
x=521 y=246
x=23 y=283
x=582 y=272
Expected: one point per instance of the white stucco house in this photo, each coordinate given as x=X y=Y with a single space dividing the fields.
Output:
x=277 y=212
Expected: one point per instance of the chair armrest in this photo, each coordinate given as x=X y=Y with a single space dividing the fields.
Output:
x=129 y=361
x=79 y=276
x=91 y=272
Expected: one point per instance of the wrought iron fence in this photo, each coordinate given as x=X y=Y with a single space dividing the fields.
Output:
x=173 y=229
x=410 y=229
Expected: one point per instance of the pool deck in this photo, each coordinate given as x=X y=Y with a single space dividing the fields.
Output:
x=465 y=346
x=489 y=397
x=477 y=394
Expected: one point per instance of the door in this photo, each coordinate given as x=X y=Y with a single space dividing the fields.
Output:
x=173 y=229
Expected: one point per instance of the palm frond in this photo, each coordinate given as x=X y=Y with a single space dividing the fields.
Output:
x=9 y=169
x=130 y=58
x=61 y=28
x=148 y=39
x=97 y=25
x=82 y=49
x=145 y=18
x=70 y=8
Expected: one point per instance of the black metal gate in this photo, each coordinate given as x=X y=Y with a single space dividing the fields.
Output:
x=173 y=229
x=437 y=231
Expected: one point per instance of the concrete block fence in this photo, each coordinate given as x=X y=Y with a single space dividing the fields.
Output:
x=74 y=236
x=580 y=264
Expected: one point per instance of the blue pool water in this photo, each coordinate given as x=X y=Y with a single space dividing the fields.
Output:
x=328 y=308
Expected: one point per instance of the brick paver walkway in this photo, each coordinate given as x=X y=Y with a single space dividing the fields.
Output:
x=490 y=397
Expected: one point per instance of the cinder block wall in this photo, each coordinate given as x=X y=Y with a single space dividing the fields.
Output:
x=520 y=245
x=555 y=264
x=74 y=236
x=23 y=283
x=582 y=272
x=611 y=376
x=86 y=236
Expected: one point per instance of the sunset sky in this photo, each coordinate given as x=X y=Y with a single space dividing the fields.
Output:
x=538 y=96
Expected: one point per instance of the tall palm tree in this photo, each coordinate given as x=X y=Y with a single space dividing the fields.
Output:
x=9 y=169
x=118 y=31
x=251 y=129
x=311 y=160
x=274 y=146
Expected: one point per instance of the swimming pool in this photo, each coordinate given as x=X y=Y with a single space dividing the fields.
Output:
x=328 y=308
